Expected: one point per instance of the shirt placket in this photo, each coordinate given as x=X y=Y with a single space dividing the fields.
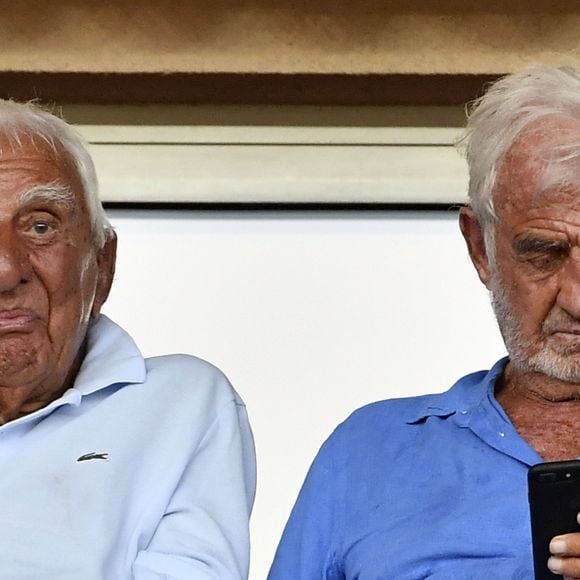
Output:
x=489 y=423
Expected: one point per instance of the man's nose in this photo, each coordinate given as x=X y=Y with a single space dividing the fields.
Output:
x=569 y=292
x=14 y=263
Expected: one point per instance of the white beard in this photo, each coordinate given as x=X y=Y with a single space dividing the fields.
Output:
x=561 y=362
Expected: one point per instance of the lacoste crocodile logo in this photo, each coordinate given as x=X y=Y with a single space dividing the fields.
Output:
x=93 y=455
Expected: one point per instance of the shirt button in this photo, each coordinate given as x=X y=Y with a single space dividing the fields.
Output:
x=501 y=434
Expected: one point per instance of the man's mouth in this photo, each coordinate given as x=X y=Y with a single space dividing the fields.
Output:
x=566 y=331
x=17 y=320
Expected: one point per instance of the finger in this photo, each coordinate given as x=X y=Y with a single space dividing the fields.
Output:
x=567 y=567
x=566 y=545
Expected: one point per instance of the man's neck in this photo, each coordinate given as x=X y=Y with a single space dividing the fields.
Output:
x=16 y=402
x=545 y=411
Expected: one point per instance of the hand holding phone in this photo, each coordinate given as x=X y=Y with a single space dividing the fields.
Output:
x=554 y=496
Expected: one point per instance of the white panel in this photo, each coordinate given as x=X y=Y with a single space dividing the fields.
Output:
x=311 y=315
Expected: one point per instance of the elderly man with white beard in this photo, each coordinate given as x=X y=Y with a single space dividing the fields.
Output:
x=435 y=486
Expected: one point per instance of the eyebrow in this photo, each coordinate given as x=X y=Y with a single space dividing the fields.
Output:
x=533 y=244
x=49 y=192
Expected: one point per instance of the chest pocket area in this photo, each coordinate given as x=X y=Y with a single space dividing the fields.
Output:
x=461 y=567
x=480 y=569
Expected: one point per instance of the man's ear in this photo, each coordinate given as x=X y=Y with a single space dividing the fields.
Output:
x=106 y=258
x=473 y=234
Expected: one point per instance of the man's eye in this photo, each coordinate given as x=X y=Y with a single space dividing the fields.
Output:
x=40 y=228
x=547 y=261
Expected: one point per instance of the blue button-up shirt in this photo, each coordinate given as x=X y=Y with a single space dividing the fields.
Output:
x=407 y=489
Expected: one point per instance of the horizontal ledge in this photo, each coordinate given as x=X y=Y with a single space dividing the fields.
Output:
x=239 y=89
x=273 y=136
x=311 y=173
x=282 y=206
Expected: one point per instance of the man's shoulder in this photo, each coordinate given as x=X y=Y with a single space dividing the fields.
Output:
x=190 y=374
x=114 y=358
x=386 y=414
x=183 y=363
x=392 y=418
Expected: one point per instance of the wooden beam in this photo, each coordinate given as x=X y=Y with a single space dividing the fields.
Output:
x=366 y=37
x=249 y=89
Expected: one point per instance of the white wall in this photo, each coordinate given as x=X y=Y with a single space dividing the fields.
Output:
x=309 y=314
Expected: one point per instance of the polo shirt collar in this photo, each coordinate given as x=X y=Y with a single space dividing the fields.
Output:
x=112 y=358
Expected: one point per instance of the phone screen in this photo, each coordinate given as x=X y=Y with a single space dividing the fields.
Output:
x=554 y=496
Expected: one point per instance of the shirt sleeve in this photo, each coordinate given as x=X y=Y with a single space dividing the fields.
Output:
x=203 y=534
x=309 y=549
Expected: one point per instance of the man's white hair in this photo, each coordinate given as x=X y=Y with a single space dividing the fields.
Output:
x=509 y=106
x=29 y=120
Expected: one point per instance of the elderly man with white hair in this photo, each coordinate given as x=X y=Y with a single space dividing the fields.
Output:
x=435 y=486
x=114 y=467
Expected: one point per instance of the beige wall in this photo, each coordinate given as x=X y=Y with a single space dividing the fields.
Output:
x=365 y=36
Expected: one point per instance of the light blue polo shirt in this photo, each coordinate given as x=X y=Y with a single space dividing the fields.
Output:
x=408 y=489
x=144 y=470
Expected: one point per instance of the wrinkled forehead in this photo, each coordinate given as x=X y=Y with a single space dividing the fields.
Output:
x=561 y=171
x=542 y=166
x=37 y=161
x=15 y=140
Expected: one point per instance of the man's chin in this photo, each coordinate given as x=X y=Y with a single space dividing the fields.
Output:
x=562 y=366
